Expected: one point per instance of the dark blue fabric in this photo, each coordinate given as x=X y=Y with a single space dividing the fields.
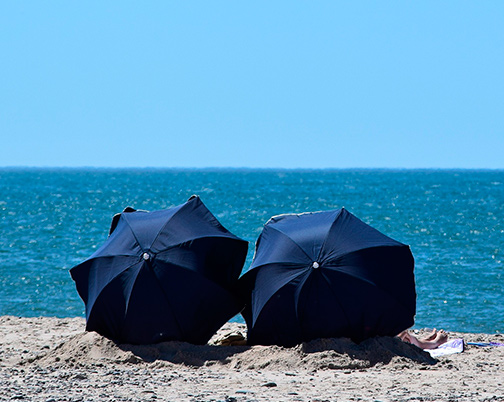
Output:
x=363 y=285
x=162 y=275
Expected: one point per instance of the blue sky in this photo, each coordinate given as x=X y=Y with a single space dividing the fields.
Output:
x=327 y=84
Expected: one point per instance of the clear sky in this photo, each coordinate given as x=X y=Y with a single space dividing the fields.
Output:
x=319 y=84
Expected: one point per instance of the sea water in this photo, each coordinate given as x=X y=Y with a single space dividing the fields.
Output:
x=453 y=220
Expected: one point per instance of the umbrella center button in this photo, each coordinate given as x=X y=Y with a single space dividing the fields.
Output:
x=315 y=265
x=146 y=256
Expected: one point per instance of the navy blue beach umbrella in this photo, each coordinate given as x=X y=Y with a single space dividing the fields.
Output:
x=162 y=275
x=324 y=275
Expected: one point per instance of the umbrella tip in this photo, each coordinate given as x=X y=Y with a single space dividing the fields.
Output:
x=315 y=265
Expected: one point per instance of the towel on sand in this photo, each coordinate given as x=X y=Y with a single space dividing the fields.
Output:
x=448 y=348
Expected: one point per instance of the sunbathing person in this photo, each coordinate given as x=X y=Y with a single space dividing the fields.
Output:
x=431 y=341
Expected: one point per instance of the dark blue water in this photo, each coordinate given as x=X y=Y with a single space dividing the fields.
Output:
x=52 y=219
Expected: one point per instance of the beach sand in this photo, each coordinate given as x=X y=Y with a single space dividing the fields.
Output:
x=50 y=359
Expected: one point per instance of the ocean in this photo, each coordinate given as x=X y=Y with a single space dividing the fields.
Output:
x=52 y=219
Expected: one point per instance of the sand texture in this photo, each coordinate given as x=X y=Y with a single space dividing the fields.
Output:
x=50 y=359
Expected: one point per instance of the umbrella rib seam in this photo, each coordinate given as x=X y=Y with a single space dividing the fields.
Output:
x=288 y=237
x=392 y=297
x=109 y=282
x=335 y=297
x=133 y=233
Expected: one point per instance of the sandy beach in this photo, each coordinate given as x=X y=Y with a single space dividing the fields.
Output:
x=50 y=359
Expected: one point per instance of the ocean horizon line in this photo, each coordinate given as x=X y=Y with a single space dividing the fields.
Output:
x=245 y=168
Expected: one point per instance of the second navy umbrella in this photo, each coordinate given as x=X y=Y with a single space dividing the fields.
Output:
x=326 y=274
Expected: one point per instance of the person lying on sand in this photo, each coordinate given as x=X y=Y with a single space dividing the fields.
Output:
x=431 y=341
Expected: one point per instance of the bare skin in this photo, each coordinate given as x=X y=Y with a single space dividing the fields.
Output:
x=431 y=341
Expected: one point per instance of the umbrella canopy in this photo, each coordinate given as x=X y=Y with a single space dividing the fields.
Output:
x=326 y=274
x=162 y=275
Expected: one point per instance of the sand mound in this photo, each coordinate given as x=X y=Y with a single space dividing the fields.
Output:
x=91 y=348
x=330 y=354
x=87 y=348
